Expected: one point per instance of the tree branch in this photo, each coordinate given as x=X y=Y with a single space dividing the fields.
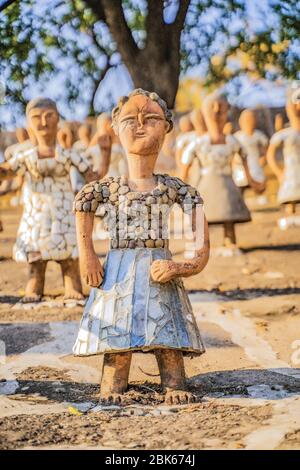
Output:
x=96 y=86
x=97 y=7
x=177 y=25
x=116 y=22
x=154 y=22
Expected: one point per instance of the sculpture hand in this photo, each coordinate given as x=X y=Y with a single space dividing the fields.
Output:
x=93 y=271
x=163 y=270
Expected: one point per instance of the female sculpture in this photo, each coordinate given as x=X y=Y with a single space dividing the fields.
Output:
x=47 y=228
x=141 y=304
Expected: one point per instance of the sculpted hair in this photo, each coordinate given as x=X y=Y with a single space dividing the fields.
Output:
x=40 y=103
x=150 y=94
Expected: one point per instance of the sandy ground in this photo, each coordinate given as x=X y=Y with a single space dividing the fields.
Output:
x=247 y=384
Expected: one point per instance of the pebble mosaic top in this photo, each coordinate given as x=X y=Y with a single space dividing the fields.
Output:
x=136 y=219
x=47 y=225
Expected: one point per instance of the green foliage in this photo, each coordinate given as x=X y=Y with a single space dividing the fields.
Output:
x=62 y=40
x=40 y=41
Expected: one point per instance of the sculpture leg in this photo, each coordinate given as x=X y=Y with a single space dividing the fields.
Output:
x=290 y=208
x=36 y=280
x=172 y=374
x=114 y=380
x=229 y=234
x=71 y=277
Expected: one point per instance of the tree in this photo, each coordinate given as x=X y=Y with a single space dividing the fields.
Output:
x=75 y=44
x=64 y=42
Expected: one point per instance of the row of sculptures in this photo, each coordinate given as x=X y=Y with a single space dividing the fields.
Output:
x=137 y=301
x=219 y=163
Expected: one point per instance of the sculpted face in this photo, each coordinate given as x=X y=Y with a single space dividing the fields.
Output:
x=247 y=121
x=293 y=110
x=22 y=134
x=279 y=122
x=141 y=126
x=185 y=124
x=215 y=112
x=43 y=122
x=198 y=122
x=228 y=128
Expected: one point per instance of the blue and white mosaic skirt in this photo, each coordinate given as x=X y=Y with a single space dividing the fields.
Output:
x=130 y=312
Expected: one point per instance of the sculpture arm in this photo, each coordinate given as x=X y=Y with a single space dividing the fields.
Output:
x=271 y=159
x=90 y=266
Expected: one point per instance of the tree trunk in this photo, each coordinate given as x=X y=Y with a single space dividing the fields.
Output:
x=156 y=67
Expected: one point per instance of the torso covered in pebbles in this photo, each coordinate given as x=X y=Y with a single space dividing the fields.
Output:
x=47 y=225
x=223 y=200
x=213 y=158
x=252 y=146
x=136 y=219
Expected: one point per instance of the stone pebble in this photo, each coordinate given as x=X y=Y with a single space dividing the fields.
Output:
x=115 y=191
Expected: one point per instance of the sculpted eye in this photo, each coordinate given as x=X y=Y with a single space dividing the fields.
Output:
x=129 y=121
x=153 y=118
x=128 y=118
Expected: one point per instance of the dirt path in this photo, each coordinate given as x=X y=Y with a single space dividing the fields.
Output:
x=248 y=382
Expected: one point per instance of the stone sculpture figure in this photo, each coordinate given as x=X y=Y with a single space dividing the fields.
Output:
x=215 y=151
x=14 y=184
x=287 y=139
x=138 y=302
x=278 y=122
x=185 y=135
x=190 y=171
x=254 y=144
x=47 y=228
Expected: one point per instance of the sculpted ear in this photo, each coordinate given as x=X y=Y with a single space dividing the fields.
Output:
x=115 y=128
x=168 y=127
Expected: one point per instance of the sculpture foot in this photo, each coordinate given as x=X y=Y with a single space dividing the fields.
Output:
x=179 y=397
x=226 y=251
x=111 y=398
x=31 y=298
x=291 y=221
x=73 y=294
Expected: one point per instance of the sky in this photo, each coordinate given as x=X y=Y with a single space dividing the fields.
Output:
x=117 y=81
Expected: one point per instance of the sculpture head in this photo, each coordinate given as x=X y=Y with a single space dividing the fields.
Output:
x=198 y=122
x=104 y=123
x=185 y=124
x=247 y=121
x=228 y=128
x=141 y=120
x=85 y=134
x=21 y=134
x=278 y=122
x=215 y=111
x=293 y=106
x=42 y=117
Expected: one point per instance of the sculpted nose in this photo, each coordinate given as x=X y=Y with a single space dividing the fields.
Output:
x=140 y=120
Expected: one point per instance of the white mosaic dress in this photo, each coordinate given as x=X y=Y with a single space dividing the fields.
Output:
x=289 y=190
x=252 y=145
x=223 y=199
x=47 y=226
x=130 y=312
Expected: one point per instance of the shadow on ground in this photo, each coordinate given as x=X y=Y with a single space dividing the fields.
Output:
x=56 y=386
